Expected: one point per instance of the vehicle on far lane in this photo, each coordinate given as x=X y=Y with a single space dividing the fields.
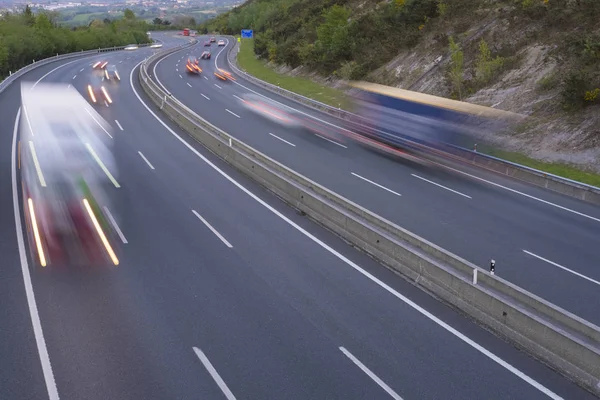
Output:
x=212 y=39
x=192 y=66
x=207 y=44
x=131 y=47
x=205 y=55
x=155 y=45
x=221 y=43
x=111 y=73
x=100 y=64
x=224 y=75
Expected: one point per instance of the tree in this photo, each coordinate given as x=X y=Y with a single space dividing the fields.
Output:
x=129 y=15
x=456 y=67
x=157 y=21
x=29 y=17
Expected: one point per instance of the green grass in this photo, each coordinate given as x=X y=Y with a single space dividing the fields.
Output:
x=559 y=169
x=82 y=18
x=302 y=86
x=336 y=98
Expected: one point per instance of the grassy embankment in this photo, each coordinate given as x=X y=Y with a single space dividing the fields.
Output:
x=305 y=87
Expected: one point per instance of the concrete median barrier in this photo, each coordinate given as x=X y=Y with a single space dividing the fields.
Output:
x=558 y=338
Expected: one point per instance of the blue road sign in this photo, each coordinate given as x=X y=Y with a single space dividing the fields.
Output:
x=247 y=33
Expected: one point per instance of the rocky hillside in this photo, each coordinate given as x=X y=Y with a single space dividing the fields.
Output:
x=536 y=57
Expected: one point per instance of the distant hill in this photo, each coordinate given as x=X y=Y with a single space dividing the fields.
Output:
x=538 y=57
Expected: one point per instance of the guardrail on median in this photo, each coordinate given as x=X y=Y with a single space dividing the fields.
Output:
x=555 y=183
x=566 y=342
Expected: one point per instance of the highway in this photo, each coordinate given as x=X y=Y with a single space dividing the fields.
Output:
x=542 y=241
x=224 y=292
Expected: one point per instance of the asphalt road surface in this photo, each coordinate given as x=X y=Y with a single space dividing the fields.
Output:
x=224 y=292
x=542 y=241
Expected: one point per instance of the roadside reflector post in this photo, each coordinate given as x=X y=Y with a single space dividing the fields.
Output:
x=492 y=266
x=474 y=276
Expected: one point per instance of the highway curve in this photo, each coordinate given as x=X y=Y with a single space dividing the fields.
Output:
x=224 y=292
x=542 y=241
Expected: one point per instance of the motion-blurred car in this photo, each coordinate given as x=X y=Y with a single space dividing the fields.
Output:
x=131 y=47
x=192 y=66
x=221 y=43
x=212 y=39
x=65 y=170
x=224 y=75
x=207 y=44
x=155 y=45
x=271 y=110
x=111 y=73
x=205 y=55
x=98 y=93
x=100 y=64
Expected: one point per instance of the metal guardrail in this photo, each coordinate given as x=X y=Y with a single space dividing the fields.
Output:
x=559 y=338
x=568 y=187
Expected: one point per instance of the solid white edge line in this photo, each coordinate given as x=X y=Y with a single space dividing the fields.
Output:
x=206 y=97
x=213 y=372
x=33 y=310
x=341 y=257
x=115 y=225
x=102 y=166
x=376 y=184
x=188 y=84
x=36 y=162
x=209 y=226
x=331 y=141
x=563 y=268
x=232 y=113
x=145 y=159
x=441 y=165
x=99 y=124
x=119 y=125
x=370 y=374
x=443 y=187
x=523 y=194
x=283 y=140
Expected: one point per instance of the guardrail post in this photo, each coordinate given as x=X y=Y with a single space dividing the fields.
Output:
x=492 y=266
x=230 y=142
x=9 y=73
x=475 y=148
x=474 y=276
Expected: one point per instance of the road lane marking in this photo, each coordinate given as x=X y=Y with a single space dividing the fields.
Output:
x=177 y=69
x=115 y=225
x=448 y=328
x=38 y=332
x=189 y=84
x=205 y=77
x=101 y=164
x=121 y=62
x=232 y=113
x=37 y=164
x=283 y=140
x=99 y=124
x=523 y=194
x=563 y=268
x=119 y=125
x=145 y=159
x=209 y=226
x=28 y=121
x=239 y=98
x=370 y=374
x=81 y=70
x=74 y=76
x=180 y=76
x=206 y=97
x=218 y=86
x=331 y=141
x=443 y=187
x=51 y=71
x=213 y=372
x=376 y=184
